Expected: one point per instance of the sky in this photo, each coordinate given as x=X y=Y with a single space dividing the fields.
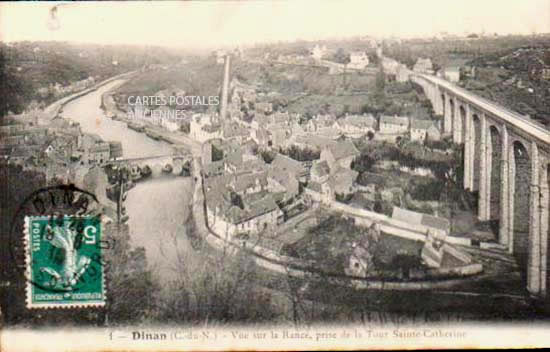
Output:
x=216 y=23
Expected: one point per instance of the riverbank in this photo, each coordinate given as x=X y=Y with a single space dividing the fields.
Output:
x=55 y=108
x=154 y=132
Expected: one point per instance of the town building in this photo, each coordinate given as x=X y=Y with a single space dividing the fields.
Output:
x=286 y=164
x=332 y=176
x=452 y=73
x=339 y=155
x=358 y=60
x=282 y=184
x=402 y=74
x=233 y=161
x=361 y=258
x=312 y=142
x=235 y=132
x=318 y=52
x=319 y=182
x=202 y=128
x=439 y=227
x=356 y=125
x=326 y=182
x=421 y=128
x=390 y=66
x=229 y=213
x=219 y=55
x=394 y=124
x=424 y=65
x=320 y=121
x=248 y=183
x=94 y=149
x=264 y=107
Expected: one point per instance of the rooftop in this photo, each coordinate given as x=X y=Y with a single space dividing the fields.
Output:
x=314 y=140
x=421 y=219
x=422 y=124
x=285 y=163
x=343 y=149
x=320 y=169
x=366 y=120
x=394 y=120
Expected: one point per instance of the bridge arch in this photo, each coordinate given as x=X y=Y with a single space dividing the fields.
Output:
x=520 y=177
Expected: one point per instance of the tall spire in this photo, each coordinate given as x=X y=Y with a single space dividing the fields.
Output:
x=225 y=88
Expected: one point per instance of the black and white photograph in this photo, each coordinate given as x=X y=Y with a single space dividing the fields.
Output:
x=274 y=175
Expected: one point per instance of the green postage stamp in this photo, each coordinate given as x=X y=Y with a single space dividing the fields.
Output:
x=64 y=263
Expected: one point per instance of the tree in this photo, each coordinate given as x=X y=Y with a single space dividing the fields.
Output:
x=363 y=163
x=341 y=57
x=215 y=287
x=380 y=83
x=130 y=280
x=267 y=156
x=217 y=154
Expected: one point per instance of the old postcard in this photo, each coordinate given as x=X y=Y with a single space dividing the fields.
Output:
x=274 y=175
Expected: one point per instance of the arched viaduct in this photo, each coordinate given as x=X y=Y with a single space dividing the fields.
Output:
x=506 y=160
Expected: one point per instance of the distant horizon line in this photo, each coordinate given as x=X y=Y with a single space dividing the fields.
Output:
x=287 y=41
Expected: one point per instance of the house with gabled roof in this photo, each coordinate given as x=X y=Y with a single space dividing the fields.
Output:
x=230 y=213
x=394 y=124
x=325 y=182
x=356 y=125
x=340 y=154
x=282 y=184
x=423 y=65
x=313 y=142
x=358 y=60
x=341 y=182
x=318 y=185
x=248 y=183
x=285 y=164
x=235 y=132
x=419 y=129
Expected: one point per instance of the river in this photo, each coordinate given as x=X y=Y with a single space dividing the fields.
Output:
x=157 y=207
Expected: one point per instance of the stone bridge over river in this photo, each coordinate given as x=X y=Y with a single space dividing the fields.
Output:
x=170 y=164
x=506 y=160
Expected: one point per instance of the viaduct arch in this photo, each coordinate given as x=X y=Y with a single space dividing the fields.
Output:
x=507 y=161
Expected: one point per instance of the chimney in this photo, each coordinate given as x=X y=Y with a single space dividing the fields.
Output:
x=225 y=88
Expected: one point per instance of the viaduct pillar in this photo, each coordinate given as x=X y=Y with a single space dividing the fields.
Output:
x=506 y=192
x=438 y=103
x=534 y=259
x=447 y=115
x=457 y=123
x=544 y=199
x=484 y=170
x=469 y=152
